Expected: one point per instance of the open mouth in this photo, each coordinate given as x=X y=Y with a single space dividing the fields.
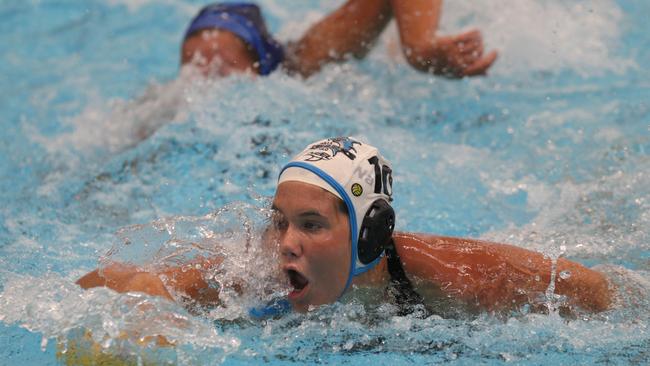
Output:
x=298 y=282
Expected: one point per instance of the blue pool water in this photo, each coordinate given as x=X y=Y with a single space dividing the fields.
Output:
x=551 y=152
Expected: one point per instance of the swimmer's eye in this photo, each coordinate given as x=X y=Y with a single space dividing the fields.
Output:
x=312 y=226
x=279 y=222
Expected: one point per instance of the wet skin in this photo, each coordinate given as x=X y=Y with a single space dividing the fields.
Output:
x=218 y=53
x=313 y=237
x=314 y=243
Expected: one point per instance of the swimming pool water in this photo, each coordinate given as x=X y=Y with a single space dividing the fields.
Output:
x=550 y=152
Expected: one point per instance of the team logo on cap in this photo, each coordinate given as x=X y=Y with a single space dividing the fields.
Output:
x=356 y=189
x=326 y=150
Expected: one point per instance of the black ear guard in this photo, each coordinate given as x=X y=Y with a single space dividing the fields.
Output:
x=376 y=231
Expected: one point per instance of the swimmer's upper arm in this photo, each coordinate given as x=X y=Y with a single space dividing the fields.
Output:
x=498 y=276
x=350 y=29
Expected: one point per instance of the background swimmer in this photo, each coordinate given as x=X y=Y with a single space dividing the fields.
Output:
x=232 y=38
x=333 y=226
x=226 y=38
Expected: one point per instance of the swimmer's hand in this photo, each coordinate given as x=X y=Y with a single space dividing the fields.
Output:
x=185 y=281
x=454 y=56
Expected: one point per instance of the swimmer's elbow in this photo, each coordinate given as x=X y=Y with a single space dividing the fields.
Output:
x=596 y=293
x=603 y=294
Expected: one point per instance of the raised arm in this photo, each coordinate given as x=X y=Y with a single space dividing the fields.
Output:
x=351 y=29
x=186 y=280
x=497 y=276
x=452 y=56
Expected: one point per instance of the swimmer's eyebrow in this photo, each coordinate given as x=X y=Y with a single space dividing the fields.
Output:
x=311 y=213
x=302 y=214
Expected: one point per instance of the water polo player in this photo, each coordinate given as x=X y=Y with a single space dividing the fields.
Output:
x=333 y=224
x=226 y=38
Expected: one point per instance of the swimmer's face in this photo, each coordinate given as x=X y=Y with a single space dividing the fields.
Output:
x=218 y=53
x=314 y=237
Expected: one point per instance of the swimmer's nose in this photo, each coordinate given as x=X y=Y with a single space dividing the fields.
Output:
x=290 y=246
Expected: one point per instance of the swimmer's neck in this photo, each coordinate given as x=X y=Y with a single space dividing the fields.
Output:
x=375 y=277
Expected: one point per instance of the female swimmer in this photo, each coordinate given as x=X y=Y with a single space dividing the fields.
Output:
x=333 y=225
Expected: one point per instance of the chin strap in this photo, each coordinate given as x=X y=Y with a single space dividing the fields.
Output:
x=401 y=289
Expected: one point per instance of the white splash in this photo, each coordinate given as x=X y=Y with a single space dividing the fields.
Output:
x=57 y=308
x=534 y=35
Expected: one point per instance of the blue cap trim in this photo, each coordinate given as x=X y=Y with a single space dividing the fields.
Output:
x=352 y=215
x=368 y=266
x=245 y=21
x=274 y=308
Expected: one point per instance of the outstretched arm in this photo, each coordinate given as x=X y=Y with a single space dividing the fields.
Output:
x=498 y=276
x=351 y=29
x=452 y=56
x=186 y=280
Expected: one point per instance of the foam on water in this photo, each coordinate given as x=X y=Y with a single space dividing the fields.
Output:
x=546 y=36
x=247 y=276
x=123 y=324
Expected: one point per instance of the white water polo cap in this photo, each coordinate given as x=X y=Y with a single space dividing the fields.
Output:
x=356 y=173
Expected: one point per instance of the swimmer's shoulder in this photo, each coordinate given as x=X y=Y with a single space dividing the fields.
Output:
x=441 y=242
x=419 y=240
x=423 y=254
x=416 y=250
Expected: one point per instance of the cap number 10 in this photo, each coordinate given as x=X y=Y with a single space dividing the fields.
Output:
x=383 y=177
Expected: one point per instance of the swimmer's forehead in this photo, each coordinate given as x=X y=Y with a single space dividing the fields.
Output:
x=304 y=198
